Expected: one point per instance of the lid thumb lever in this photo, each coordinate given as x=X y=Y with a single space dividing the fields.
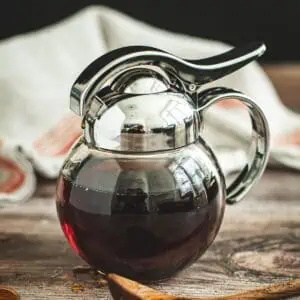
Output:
x=215 y=67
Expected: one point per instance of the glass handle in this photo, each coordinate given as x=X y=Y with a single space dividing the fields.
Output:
x=259 y=147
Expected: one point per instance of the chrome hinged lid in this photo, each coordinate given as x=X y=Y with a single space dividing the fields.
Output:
x=139 y=99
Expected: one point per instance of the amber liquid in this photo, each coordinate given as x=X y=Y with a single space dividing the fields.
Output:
x=132 y=230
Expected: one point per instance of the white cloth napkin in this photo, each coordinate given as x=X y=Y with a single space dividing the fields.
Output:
x=37 y=70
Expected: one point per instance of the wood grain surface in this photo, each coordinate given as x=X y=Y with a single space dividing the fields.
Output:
x=258 y=244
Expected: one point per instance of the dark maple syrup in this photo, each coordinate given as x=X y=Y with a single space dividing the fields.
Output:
x=137 y=219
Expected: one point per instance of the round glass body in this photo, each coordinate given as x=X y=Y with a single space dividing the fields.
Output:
x=142 y=215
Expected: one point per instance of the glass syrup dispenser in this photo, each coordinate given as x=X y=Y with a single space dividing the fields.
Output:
x=141 y=194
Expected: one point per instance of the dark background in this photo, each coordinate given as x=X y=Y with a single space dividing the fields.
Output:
x=276 y=22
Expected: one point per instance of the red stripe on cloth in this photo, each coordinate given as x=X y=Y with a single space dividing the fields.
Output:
x=292 y=138
x=12 y=176
x=230 y=103
x=59 y=139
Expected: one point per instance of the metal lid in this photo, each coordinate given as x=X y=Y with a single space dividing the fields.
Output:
x=141 y=114
x=150 y=122
x=139 y=99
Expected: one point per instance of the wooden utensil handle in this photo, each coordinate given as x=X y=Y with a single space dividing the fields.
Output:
x=7 y=293
x=126 y=289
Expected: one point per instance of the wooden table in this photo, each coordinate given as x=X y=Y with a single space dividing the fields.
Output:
x=259 y=243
